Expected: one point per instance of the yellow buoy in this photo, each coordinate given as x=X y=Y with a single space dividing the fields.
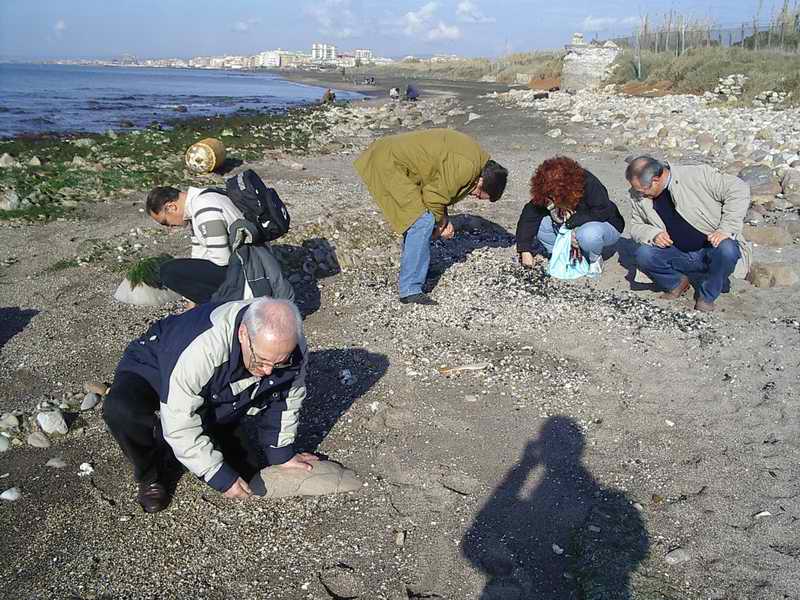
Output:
x=205 y=156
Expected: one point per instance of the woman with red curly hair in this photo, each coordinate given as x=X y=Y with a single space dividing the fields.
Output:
x=565 y=194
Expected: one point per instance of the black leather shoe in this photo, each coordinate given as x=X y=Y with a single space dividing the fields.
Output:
x=152 y=497
x=423 y=299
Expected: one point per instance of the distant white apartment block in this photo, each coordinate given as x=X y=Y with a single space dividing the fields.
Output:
x=363 y=54
x=271 y=58
x=323 y=52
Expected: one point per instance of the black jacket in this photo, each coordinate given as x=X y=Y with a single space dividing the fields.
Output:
x=253 y=271
x=594 y=206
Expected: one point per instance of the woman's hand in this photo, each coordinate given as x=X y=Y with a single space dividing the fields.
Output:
x=526 y=259
x=575 y=253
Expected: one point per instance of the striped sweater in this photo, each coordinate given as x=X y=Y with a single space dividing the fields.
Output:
x=211 y=215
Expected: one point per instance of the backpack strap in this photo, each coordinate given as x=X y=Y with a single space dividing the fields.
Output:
x=222 y=191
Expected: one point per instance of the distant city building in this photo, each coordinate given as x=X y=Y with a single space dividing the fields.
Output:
x=294 y=59
x=271 y=58
x=346 y=60
x=444 y=58
x=363 y=54
x=323 y=52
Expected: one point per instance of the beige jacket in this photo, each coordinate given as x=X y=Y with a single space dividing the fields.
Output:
x=707 y=199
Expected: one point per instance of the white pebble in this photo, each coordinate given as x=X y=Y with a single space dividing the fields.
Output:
x=10 y=495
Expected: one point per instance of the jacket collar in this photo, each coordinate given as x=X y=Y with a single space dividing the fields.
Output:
x=191 y=195
x=241 y=378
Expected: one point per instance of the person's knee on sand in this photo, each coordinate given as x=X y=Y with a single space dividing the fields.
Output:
x=593 y=237
x=648 y=257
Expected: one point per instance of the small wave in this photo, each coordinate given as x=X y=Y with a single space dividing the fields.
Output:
x=39 y=121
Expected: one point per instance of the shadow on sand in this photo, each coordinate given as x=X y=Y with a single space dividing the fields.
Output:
x=341 y=376
x=14 y=319
x=551 y=532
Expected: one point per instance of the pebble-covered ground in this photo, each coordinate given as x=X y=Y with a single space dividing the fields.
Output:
x=526 y=438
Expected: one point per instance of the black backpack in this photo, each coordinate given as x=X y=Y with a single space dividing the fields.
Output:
x=259 y=204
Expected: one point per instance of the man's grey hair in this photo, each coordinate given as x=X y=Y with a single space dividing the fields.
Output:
x=644 y=168
x=274 y=318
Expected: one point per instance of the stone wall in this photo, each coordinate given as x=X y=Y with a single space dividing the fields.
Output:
x=587 y=65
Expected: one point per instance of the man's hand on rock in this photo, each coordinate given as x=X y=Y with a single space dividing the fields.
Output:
x=239 y=490
x=662 y=240
x=301 y=460
x=446 y=231
x=716 y=237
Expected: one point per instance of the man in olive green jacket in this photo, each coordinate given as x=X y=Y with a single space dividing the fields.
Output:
x=414 y=177
x=688 y=220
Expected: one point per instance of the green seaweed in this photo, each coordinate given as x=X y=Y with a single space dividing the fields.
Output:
x=140 y=159
x=146 y=271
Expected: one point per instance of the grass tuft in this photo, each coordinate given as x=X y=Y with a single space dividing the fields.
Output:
x=146 y=271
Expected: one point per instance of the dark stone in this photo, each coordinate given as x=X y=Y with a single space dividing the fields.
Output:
x=756 y=175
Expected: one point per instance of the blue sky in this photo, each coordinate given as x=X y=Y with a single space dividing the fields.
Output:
x=179 y=28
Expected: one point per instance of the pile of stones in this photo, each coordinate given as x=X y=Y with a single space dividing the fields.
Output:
x=770 y=98
x=352 y=126
x=730 y=88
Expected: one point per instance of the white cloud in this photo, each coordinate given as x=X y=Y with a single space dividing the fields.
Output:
x=60 y=27
x=443 y=31
x=596 y=24
x=415 y=22
x=245 y=25
x=468 y=12
x=335 y=18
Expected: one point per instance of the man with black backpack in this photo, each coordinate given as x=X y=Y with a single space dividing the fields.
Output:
x=225 y=224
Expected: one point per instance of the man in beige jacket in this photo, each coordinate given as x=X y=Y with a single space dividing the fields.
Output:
x=689 y=221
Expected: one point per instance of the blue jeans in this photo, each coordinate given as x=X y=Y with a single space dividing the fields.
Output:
x=667 y=266
x=416 y=255
x=592 y=237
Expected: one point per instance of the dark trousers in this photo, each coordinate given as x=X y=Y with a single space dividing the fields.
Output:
x=193 y=278
x=666 y=266
x=130 y=412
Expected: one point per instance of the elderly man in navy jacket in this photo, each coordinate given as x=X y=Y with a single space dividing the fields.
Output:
x=216 y=374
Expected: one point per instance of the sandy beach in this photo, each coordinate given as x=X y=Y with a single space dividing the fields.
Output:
x=589 y=440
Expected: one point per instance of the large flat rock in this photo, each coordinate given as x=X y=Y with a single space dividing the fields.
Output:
x=144 y=295
x=325 y=478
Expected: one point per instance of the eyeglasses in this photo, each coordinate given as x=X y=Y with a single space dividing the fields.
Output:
x=259 y=363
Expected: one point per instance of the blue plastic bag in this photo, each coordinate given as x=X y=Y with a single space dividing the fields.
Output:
x=562 y=266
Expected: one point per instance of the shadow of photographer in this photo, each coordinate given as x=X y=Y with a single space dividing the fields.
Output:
x=562 y=537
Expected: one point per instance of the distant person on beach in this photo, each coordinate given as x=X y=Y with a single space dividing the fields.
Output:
x=412 y=92
x=215 y=375
x=688 y=220
x=394 y=93
x=414 y=177
x=565 y=194
x=329 y=97
x=210 y=215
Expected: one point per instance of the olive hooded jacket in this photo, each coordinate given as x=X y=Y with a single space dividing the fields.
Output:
x=423 y=171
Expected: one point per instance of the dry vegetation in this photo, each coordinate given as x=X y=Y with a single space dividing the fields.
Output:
x=536 y=65
x=699 y=70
